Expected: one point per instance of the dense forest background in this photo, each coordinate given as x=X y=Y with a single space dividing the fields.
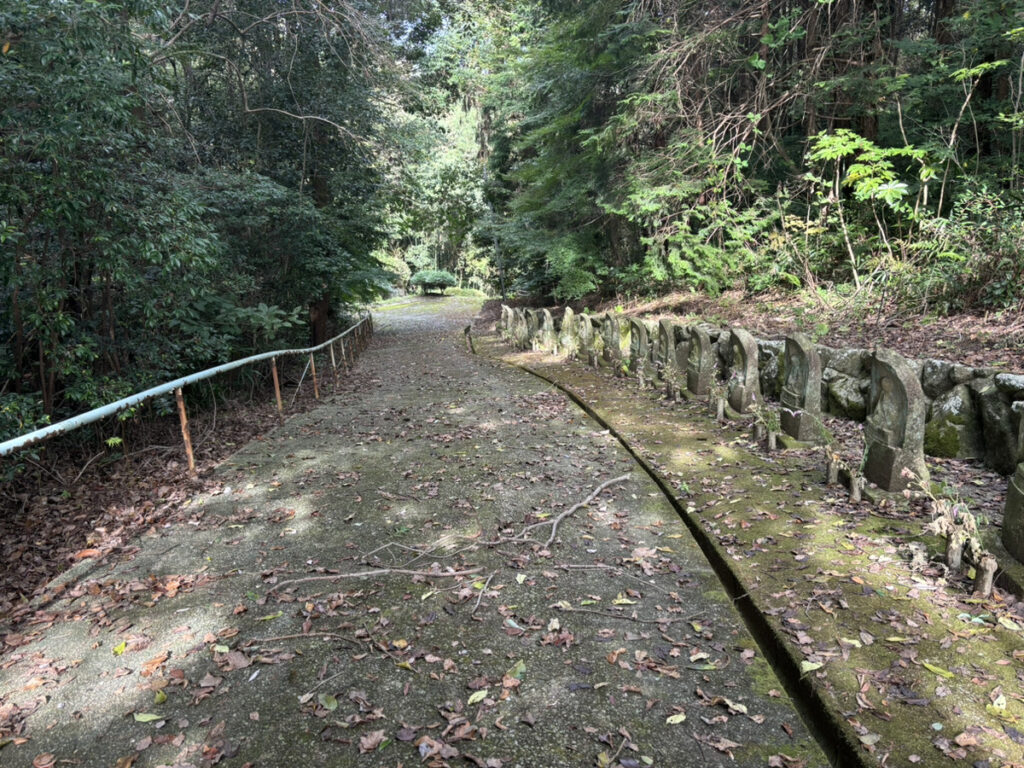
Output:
x=182 y=183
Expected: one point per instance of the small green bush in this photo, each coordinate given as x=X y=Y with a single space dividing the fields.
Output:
x=433 y=279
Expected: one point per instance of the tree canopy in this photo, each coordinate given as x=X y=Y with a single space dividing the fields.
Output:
x=181 y=183
x=660 y=144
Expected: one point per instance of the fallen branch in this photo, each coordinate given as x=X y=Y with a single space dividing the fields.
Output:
x=374 y=572
x=523 y=538
x=617 y=570
x=625 y=617
x=303 y=636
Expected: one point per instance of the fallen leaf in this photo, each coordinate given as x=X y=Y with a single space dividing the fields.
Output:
x=210 y=681
x=477 y=697
x=153 y=664
x=371 y=741
x=517 y=670
x=1010 y=623
x=1016 y=736
x=782 y=760
x=720 y=743
x=238 y=660
x=937 y=670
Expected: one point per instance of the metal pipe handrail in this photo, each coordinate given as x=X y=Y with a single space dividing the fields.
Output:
x=96 y=414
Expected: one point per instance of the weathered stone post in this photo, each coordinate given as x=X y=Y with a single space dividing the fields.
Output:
x=682 y=355
x=639 y=350
x=801 y=390
x=548 y=337
x=675 y=340
x=505 y=323
x=894 y=430
x=612 y=336
x=665 y=349
x=588 y=339
x=533 y=324
x=569 y=334
x=744 y=383
x=520 y=329
x=652 y=351
x=1013 y=512
x=700 y=364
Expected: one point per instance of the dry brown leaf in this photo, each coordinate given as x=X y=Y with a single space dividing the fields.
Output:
x=210 y=681
x=153 y=664
x=368 y=742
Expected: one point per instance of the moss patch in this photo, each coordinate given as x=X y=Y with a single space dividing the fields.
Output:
x=942 y=437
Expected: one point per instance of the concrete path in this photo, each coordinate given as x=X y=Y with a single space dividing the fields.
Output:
x=404 y=576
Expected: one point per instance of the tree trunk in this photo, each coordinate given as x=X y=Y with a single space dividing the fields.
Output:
x=318 y=311
x=941 y=30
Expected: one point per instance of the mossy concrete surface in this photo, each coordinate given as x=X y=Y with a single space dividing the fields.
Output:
x=372 y=584
x=894 y=657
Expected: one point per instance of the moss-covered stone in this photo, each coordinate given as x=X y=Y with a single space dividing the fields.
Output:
x=954 y=429
x=943 y=439
x=845 y=398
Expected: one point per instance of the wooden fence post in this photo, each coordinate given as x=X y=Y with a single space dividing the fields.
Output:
x=185 y=435
x=312 y=368
x=334 y=368
x=277 y=385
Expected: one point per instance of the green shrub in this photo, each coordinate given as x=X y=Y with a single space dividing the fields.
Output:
x=433 y=279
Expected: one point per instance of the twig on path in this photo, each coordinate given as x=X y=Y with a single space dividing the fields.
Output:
x=374 y=572
x=522 y=537
x=619 y=750
x=281 y=638
x=624 y=617
x=616 y=569
x=481 y=595
x=420 y=553
x=326 y=680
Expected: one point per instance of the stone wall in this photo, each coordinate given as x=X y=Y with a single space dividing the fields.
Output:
x=970 y=411
x=909 y=408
